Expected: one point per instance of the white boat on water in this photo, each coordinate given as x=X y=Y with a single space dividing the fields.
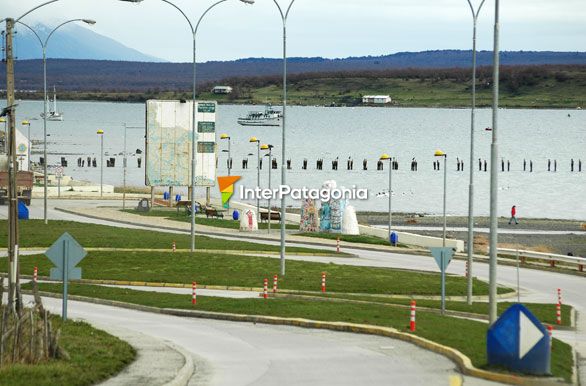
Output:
x=269 y=117
x=53 y=114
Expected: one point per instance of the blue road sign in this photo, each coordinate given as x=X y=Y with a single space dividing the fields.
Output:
x=65 y=253
x=519 y=342
x=442 y=256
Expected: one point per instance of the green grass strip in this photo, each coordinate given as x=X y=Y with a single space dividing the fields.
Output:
x=226 y=222
x=95 y=356
x=249 y=271
x=364 y=239
x=34 y=233
x=464 y=335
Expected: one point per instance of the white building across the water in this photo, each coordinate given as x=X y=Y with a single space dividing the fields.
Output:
x=376 y=99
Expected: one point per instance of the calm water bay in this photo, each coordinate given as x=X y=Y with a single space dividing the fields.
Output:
x=359 y=133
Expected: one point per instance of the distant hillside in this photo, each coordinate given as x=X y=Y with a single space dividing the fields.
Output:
x=74 y=41
x=112 y=76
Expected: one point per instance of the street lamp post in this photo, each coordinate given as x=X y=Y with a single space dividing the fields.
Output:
x=194 y=92
x=284 y=16
x=270 y=155
x=439 y=153
x=492 y=293
x=228 y=163
x=44 y=47
x=28 y=148
x=257 y=141
x=472 y=156
x=386 y=157
x=101 y=135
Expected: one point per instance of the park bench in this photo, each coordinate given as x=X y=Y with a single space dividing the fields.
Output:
x=264 y=216
x=213 y=212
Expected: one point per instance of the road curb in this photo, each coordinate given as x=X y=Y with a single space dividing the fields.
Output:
x=463 y=363
x=184 y=375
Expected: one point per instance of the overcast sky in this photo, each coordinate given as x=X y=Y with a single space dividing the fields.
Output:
x=327 y=28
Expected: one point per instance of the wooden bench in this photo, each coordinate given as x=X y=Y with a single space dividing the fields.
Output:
x=213 y=212
x=264 y=216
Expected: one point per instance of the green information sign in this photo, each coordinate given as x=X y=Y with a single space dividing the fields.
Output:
x=206 y=127
x=206 y=147
x=206 y=107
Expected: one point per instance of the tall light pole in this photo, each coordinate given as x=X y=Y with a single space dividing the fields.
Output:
x=470 y=251
x=226 y=136
x=101 y=135
x=193 y=106
x=492 y=311
x=28 y=148
x=45 y=99
x=14 y=296
x=257 y=141
x=439 y=153
x=284 y=16
x=386 y=157
x=270 y=155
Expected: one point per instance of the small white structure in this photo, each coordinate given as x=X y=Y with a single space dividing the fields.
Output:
x=376 y=99
x=350 y=222
x=222 y=90
x=248 y=221
x=22 y=150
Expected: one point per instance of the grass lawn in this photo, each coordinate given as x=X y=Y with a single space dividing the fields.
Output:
x=249 y=271
x=546 y=313
x=34 y=233
x=95 y=356
x=173 y=214
x=467 y=336
x=365 y=239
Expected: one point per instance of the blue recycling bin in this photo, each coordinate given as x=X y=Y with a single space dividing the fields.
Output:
x=235 y=215
x=394 y=238
x=22 y=210
x=165 y=195
x=177 y=197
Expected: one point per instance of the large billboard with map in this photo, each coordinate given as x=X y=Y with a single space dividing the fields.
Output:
x=168 y=143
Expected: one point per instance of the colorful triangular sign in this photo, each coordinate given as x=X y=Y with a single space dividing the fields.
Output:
x=447 y=256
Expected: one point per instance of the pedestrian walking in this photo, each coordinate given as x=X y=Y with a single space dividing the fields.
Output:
x=513 y=215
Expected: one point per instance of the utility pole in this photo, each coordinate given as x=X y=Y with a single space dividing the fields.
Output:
x=13 y=274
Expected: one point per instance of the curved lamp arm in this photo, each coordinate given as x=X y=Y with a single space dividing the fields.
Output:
x=475 y=13
x=33 y=31
x=35 y=8
x=183 y=13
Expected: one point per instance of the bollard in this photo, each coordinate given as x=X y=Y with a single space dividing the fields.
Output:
x=323 y=282
x=265 y=293
x=193 y=293
x=559 y=295
x=581 y=267
x=338 y=244
x=174 y=246
x=35 y=275
x=275 y=281
x=558 y=313
x=550 y=332
x=412 y=321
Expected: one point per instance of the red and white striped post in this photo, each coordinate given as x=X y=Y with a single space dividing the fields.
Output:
x=275 y=282
x=550 y=332
x=193 y=293
x=559 y=295
x=338 y=244
x=323 y=282
x=265 y=293
x=36 y=275
x=558 y=313
x=174 y=246
x=412 y=321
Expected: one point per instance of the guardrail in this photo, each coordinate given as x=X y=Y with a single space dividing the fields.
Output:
x=552 y=258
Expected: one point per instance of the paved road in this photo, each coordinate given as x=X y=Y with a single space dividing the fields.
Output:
x=537 y=286
x=233 y=354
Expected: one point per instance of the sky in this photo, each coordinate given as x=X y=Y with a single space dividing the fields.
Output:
x=326 y=28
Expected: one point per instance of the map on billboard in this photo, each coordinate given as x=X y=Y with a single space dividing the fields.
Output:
x=168 y=143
